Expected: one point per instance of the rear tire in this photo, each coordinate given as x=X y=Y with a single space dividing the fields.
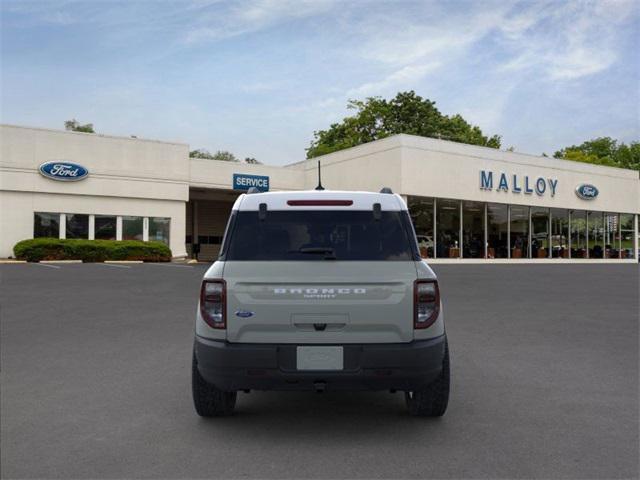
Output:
x=432 y=400
x=209 y=400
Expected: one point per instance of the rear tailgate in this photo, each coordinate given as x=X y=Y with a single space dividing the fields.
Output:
x=315 y=302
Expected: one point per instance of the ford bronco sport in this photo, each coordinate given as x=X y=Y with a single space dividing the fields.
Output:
x=320 y=290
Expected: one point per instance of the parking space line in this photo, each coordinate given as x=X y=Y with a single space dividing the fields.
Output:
x=47 y=265
x=170 y=265
x=113 y=265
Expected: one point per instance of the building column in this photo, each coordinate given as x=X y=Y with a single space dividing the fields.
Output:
x=118 y=227
x=63 y=226
x=435 y=233
x=635 y=237
x=509 y=231
x=486 y=233
x=92 y=227
x=569 y=232
x=460 y=254
x=145 y=229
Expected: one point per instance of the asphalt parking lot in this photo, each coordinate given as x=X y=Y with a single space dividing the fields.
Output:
x=95 y=377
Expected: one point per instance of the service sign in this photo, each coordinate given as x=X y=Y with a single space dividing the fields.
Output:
x=586 y=191
x=245 y=182
x=63 y=171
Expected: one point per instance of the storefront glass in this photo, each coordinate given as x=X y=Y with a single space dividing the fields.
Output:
x=77 y=226
x=559 y=233
x=611 y=235
x=159 y=229
x=626 y=237
x=132 y=228
x=539 y=232
x=46 y=225
x=578 y=234
x=421 y=210
x=472 y=230
x=497 y=226
x=596 y=234
x=448 y=228
x=519 y=241
x=105 y=227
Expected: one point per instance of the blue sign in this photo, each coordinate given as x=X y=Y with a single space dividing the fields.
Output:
x=518 y=183
x=586 y=191
x=63 y=171
x=245 y=182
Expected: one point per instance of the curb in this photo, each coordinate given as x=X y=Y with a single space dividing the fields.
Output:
x=11 y=262
x=60 y=261
x=123 y=261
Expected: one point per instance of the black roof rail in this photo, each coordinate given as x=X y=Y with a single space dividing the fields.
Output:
x=253 y=190
x=386 y=190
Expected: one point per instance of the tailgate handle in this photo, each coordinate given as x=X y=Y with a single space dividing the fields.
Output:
x=320 y=327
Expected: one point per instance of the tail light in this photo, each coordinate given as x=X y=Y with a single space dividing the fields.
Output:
x=426 y=303
x=213 y=303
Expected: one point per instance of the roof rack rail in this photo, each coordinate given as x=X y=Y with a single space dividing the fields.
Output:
x=386 y=190
x=253 y=190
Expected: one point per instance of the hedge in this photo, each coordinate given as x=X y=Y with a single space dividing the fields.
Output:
x=36 y=249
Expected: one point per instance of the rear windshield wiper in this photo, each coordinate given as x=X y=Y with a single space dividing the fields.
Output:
x=330 y=254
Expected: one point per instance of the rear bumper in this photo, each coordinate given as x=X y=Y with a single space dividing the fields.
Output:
x=395 y=366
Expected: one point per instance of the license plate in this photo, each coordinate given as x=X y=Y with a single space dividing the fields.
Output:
x=320 y=358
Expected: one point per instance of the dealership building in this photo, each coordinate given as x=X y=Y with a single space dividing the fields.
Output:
x=468 y=203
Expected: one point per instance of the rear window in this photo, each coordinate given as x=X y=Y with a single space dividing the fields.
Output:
x=320 y=235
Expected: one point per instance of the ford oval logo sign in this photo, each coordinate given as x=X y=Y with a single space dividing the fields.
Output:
x=586 y=191
x=64 y=171
x=244 y=314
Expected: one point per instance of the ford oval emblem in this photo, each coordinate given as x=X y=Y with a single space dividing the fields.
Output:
x=63 y=171
x=586 y=191
x=244 y=314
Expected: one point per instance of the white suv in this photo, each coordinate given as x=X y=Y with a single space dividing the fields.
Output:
x=320 y=290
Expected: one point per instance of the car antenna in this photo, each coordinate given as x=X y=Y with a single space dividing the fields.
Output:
x=319 y=187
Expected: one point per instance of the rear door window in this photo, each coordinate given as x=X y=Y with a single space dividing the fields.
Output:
x=320 y=235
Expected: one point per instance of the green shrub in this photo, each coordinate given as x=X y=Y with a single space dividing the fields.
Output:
x=36 y=249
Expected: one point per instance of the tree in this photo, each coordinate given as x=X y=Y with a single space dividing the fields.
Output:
x=74 y=126
x=377 y=118
x=603 y=151
x=252 y=161
x=219 y=155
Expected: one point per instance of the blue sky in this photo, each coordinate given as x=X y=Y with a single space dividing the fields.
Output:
x=258 y=77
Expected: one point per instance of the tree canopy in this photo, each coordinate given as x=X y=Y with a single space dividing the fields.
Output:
x=603 y=151
x=75 y=126
x=223 y=155
x=377 y=118
x=219 y=155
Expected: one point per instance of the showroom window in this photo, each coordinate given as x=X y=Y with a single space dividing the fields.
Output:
x=132 y=228
x=559 y=233
x=539 y=232
x=46 y=225
x=611 y=235
x=595 y=237
x=472 y=230
x=497 y=231
x=105 y=227
x=519 y=226
x=626 y=235
x=159 y=229
x=448 y=228
x=578 y=234
x=77 y=226
x=421 y=210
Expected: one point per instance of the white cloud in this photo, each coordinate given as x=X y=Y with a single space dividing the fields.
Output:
x=252 y=16
x=403 y=78
x=565 y=41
